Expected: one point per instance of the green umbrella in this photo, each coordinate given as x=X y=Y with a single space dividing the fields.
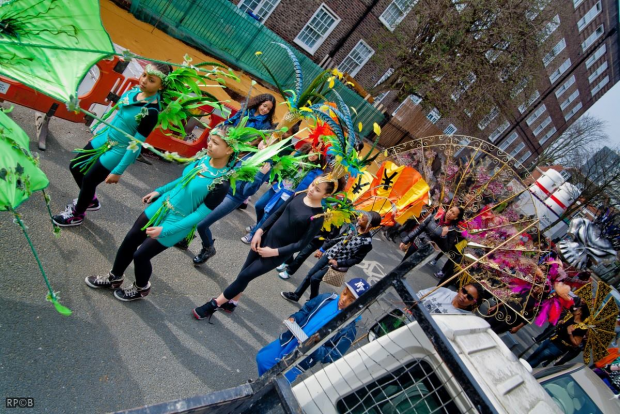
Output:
x=50 y=45
x=20 y=176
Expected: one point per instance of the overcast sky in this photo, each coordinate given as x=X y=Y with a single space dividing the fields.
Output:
x=608 y=109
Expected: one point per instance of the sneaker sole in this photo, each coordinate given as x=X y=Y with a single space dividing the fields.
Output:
x=244 y=241
x=94 y=208
x=101 y=287
x=67 y=224
x=290 y=300
x=196 y=315
x=129 y=300
x=283 y=278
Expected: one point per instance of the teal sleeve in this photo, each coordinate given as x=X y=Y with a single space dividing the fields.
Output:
x=167 y=187
x=187 y=223
x=129 y=157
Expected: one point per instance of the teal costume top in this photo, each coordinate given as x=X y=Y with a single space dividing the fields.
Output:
x=186 y=201
x=136 y=118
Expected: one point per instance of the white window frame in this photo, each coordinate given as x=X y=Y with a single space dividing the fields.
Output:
x=590 y=40
x=524 y=157
x=565 y=86
x=498 y=131
x=520 y=87
x=569 y=100
x=383 y=78
x=541 y=110
x=464 y=86
x=526 y=104
x=312 y=50
x=573 y=111
x=463 y=142
x=540 y=128
x=590 y=15
x=380 y=97
x=596 y=56
x=508 y=141
x=450 y=130
x=433 y=116
x=548 y=135
x=598 y=72
x=517 y=149
x=600 y=85
x=404 y=12
x=413 y=98
x=360 y=65
x=488 y=118
x=576 y=3
x=260 y=6
x=560 y=71
x=556 y=50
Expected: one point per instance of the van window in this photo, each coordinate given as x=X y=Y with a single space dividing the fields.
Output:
x=411 y=388
x=569 y=396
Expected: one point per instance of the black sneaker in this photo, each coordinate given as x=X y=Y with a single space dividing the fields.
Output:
x=228 y=307
x=93 y=206
x=68 y=218
x=182 y=245
x=107 y=282
x=243 y=206
x=290 y=296
x=133 y=292
x=205 y=254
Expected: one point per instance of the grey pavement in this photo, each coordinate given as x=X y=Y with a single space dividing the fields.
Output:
x=111 y=355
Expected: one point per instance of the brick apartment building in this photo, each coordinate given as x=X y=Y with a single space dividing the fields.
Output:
x=582 y=63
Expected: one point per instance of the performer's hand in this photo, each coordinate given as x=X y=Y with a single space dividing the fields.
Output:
x=262 y=144
x=491 y=309
x=150 y=197
x=153 y=232
x=403 y=247
x=255 y=244
x=445 y=231
x=333 y=262
x=112 y=179
x=267 y=252
x=265 y=168
x=318 y=254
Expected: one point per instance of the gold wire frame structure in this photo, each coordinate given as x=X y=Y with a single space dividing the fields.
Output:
x=503 y=243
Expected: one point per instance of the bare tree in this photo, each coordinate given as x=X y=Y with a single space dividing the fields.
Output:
x=596 y=175
x=469 y=57
x=585 y=133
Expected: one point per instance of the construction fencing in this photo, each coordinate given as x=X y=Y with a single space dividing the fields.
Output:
x=221 y=29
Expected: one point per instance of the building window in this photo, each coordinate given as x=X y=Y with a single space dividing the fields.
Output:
x=565 y=86
x=380 y=97
x=589 y=16
x=356 y=58
x=559 y=71
x=463 y=86
x=517 y=150
x=488 y=118
x=413 y=98
x=525 y=157
x=600 y=86
x=499 y=131
x=520 y=87
x=464 y=142
x=508 y=141
x=396 y=12
x=540 y=128
x=529 y=101
x=385 y=76
x=569 y=100
x=573 y=111
x=596 y=56
x=598 y=72
x=450 y=130
x=260 y=8
x=548 y=135
x=576 y=3
x=550 y=28
x=541 y=110
x=317 y=29
x=554 y=52
x=593 y=37
x=433 y=116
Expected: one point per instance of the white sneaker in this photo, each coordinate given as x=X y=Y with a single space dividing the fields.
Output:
x=284 y=275
x=282 y=267
x=246 y=239
x=249 y=228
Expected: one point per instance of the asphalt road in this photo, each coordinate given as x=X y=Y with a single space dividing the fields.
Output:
x=111 y=355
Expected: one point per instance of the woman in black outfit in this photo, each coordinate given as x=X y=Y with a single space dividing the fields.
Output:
x=282 y=234
x=440 y=229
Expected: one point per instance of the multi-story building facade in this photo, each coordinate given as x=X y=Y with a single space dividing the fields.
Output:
x=581 y=64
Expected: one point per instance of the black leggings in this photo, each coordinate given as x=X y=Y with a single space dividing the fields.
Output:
x=295 y=264
x=254 y=267
x=139 y=248
x=87 y=182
